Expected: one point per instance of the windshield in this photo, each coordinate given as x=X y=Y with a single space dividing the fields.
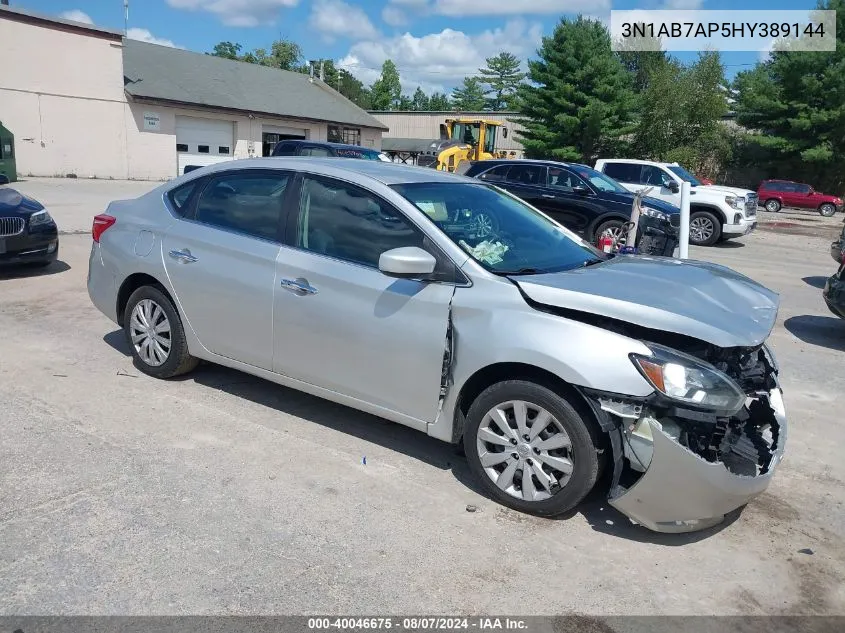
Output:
x=499 y=231
x=598 y=179
x=685 y=175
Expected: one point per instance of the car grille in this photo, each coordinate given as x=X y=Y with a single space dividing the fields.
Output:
x=11 y=226
x=751 y=205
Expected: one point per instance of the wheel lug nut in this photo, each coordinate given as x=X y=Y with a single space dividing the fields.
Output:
x=529 y=462
x=525 y=437
x=513 y=441
x=536 y=450
x=514 y=455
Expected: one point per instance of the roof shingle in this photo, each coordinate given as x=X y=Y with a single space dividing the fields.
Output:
x=169 y=74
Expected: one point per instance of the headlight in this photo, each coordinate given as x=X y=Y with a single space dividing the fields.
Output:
x=40 y=217
x=654 y=213
x=737 y=202
x=689 y=380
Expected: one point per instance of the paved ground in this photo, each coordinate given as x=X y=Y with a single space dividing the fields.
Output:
x=224 y=494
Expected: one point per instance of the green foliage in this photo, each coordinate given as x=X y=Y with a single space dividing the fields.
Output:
x=420 y=102
x=469 y=96
x=284 y=54
x=405 y=103
x=227 y=50
x=387 y=89
x=796 y=103
x=501 y=76
x=342 y=81
x=579 y=104
x=439 y=102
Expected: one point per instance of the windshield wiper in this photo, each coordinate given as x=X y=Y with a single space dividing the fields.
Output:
x=521 y=271
x=592 y=262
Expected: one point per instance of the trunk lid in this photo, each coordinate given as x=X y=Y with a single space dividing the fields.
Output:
x=705 y=301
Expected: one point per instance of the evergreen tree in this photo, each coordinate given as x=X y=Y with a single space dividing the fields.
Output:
x=439 y=102
x=420 y=101
x=469 y=96
x=502 y=76
x=387 y=89
x=579 y=104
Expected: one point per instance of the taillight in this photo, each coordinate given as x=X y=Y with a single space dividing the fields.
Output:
x=101 y=223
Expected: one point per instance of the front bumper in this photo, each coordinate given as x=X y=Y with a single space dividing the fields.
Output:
x=834 y=295
x=744 y=227
x=682 y=492
x=27 y=248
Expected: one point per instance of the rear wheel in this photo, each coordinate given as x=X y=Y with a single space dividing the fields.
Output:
x=827 y=210
x=772 y=206
x=155 y=334
x=530 y=449
x=704 y=228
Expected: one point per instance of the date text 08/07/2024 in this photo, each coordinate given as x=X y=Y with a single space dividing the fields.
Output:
x=417 y=623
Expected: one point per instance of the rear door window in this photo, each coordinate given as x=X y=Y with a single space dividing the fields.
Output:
x=623 y=172
x=527 y=175
x=251 y=203
x=497 y=174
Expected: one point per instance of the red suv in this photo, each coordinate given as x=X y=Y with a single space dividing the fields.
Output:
x=774 y=194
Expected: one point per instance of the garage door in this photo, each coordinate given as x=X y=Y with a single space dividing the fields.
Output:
x=203 y=141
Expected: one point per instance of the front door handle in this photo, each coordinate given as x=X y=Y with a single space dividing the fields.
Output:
x=183 y=256
x=299 y=286
x=549 y=196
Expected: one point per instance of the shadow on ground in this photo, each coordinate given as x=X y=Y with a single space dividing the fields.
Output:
x=729 y=244
x=823 y=331
x=816 y=281
x=595 y=508
x=23 y=271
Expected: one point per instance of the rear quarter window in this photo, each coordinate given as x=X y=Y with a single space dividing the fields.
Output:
x=180 y=197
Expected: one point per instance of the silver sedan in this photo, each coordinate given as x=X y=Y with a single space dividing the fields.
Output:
x=450 y=306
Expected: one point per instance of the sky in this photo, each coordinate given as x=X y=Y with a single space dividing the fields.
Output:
x=434 y=43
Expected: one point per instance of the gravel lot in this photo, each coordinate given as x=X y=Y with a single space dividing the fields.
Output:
x=224 y=494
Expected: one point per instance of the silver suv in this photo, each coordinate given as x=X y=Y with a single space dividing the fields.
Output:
x=369 y=284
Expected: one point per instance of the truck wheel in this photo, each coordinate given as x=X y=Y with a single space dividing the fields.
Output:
x=772 y=206
x=704 y=228
x=827 y=210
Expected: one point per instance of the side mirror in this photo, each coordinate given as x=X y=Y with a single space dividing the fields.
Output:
x=672 y=186
x=581 y=190
x=505 y=132
x=407 y=261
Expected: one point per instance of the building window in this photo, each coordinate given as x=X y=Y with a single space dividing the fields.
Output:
x=181 y=147
x=202 y=149
x=335 y=135
x=222 y=150
x=352 y=136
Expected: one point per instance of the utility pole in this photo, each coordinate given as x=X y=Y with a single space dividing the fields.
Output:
x=125 y=17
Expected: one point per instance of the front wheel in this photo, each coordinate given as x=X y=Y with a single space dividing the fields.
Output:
x=530 y=449
x=704 y=228
x=155 y=334
x=612 y=228
x=827 y=210
x=772 y=206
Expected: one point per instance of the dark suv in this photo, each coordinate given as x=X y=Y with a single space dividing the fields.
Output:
x=323 y=148
x=582 y=199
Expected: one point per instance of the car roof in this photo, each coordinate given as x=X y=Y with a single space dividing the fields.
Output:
x=527 y=161
x=638 y=161
x=299 y=141
x=381 y=171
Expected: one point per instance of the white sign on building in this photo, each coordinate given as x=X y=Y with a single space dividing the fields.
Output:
x=152 y=122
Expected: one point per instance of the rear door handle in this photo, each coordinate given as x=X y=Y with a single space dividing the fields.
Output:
x=299 y=286
x=183 y=256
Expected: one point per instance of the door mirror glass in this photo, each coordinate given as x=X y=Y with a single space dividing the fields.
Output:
x=406 y=261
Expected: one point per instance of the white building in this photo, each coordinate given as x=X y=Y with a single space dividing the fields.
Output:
x=83 y=101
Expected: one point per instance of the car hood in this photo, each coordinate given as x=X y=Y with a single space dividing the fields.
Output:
x=722 y=190
x=628 y=198
x=14 y=203
x=706 y=301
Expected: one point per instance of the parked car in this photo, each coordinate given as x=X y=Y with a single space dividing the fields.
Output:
x=837 y=247
x=367 y=284
x=716 y=212
x=28 y=234
x=322 y=148
x=777 y=194
x=834 y=289
x=582 y=199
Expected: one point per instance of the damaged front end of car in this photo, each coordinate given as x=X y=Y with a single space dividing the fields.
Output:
x=704 y=444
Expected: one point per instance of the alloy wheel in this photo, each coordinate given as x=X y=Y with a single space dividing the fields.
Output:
x=617 y=233
x=701 y=229
x=150 y=331
x=525 y=450
x=772 y=206
x=827 y=210
x=483 y=225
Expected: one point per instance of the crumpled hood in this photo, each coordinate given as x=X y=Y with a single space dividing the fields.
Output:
x=706 y=301
x=722 y=190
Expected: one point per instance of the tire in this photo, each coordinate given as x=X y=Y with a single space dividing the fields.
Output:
x=827 y=210
x=615 y=226
x=772 y=206
x=154 y=305
x=578 y=445
x=709 y=228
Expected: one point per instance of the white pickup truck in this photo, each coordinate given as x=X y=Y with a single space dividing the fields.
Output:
x=716 y=212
